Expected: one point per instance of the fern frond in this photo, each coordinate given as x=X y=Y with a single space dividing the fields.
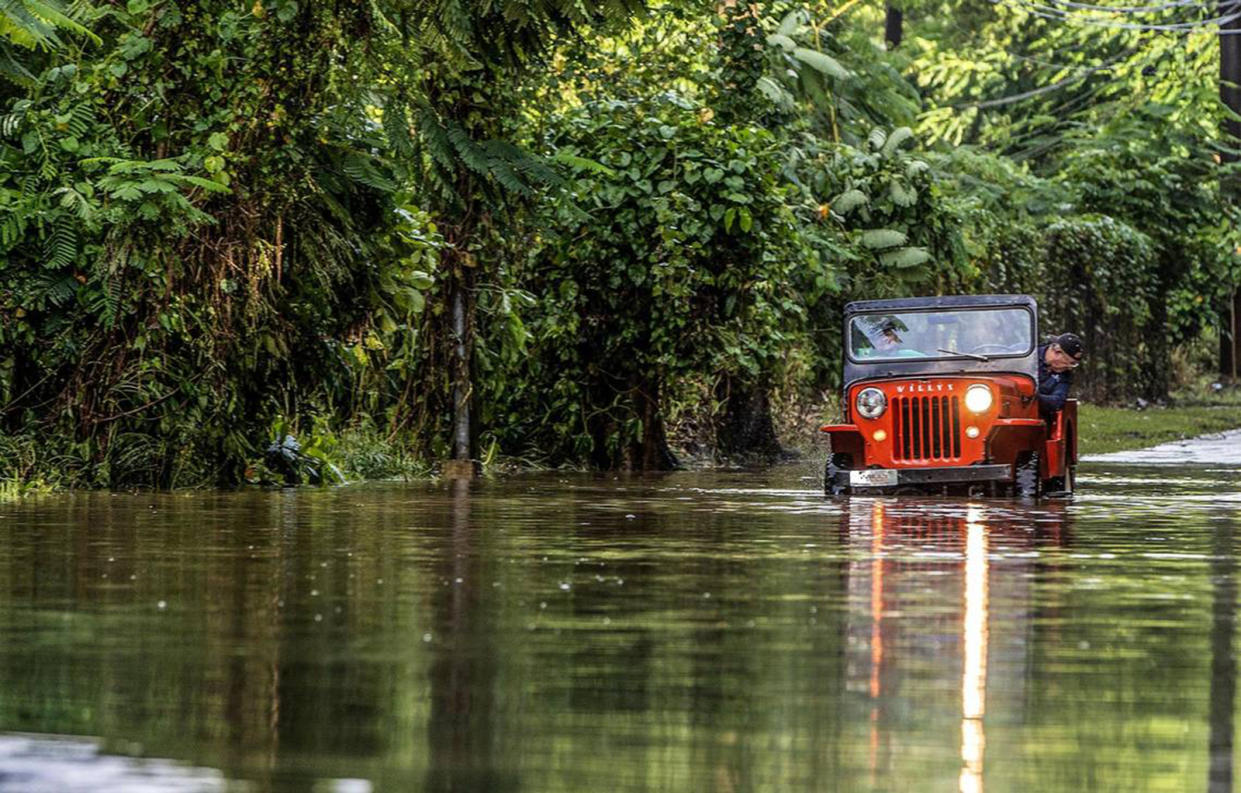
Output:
x=915 y=167
x=51 y=288
x=503 y=173
x=361 y=169
x=901 y=194
x=72 y=199
x=469 y=151
x=531 y=166
x=579 y=163
x=435 y=138
x=396 y=129
x=10 y=123
x=24 y=28
x=14 y=69
x=899 y=136
x=112 y=293
x=80 y=120
x=209 y=185
x=50 y=13
x=61 y=247
x=12 y=229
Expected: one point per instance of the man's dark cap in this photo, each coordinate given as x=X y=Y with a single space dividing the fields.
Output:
x=1071 y=343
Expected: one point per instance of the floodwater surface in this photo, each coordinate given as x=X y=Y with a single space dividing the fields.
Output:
x=690 y=632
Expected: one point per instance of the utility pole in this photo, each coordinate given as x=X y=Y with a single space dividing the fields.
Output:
x=1230 y=184
x=893 y=26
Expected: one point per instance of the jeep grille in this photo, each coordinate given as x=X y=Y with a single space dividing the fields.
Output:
x=926 y=428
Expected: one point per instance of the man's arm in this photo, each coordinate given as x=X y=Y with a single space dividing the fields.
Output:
x=1053 y=400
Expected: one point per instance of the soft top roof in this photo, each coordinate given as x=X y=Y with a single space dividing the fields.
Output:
x=1026 y=365
x=943 y=301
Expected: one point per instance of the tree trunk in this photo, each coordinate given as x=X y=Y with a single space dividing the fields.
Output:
x=461 y=379
x=651 y=452
x=462 y=459
x=1158 y=361
x=893 y=27
x=746 y=430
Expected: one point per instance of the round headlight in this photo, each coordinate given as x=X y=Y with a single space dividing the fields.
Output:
x=978 y=398
x=871 y=403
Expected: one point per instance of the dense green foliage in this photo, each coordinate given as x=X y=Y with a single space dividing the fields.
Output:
x=672 y=260
x=587 y=231
x=198 y=236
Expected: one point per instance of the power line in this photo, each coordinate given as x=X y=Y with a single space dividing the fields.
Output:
x=1131 y=9
x=1059 y=15
x=1008 y=100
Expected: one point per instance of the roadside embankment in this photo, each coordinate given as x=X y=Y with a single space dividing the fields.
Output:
x=1223 y=448
x=1103 y=430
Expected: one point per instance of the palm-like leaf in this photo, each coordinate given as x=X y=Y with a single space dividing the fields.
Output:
x=28 y=25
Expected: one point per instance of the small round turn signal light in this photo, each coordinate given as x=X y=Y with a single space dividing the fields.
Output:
x=971 y=432
x=880 y=436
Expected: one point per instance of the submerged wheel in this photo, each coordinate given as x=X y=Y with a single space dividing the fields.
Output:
x=1061 y=487
x=836 y=464
x=1027 y=483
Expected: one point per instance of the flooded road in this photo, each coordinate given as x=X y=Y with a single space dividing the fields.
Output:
x=692 y=632
x=1222 y=448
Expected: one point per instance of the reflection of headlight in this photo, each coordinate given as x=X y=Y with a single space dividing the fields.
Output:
x=978 y=398
x=871 y=403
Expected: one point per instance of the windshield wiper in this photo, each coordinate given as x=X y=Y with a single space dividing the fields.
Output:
x=975 y=356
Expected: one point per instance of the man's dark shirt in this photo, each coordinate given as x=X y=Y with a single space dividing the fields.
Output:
x=1053 y=387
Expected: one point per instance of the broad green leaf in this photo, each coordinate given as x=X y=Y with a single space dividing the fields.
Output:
x=782 y=40
x=905 y=258
x=821 y=62
x=849 y=200
x=790 y=23
x=876 y=239
x=776 y=93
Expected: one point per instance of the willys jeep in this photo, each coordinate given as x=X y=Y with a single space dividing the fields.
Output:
x=940 y=396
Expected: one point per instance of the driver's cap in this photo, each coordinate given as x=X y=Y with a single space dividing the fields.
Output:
x=1072 y=344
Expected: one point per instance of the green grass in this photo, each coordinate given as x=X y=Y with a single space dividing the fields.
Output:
x=13 y=489
x=1190 y=413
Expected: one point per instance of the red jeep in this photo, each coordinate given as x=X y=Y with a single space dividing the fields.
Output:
x=940 y=396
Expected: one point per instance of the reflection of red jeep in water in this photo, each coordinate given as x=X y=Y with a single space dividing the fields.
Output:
x=940 y=395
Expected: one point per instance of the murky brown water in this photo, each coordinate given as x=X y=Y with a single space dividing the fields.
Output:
x=695 y=632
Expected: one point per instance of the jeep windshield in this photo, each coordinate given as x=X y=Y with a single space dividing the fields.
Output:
x=980 y=333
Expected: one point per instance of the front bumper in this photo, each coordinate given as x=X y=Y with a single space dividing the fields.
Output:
x=965 y=474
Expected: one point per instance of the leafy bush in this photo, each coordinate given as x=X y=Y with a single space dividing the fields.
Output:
x=670 y=259
x=1101 y=282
